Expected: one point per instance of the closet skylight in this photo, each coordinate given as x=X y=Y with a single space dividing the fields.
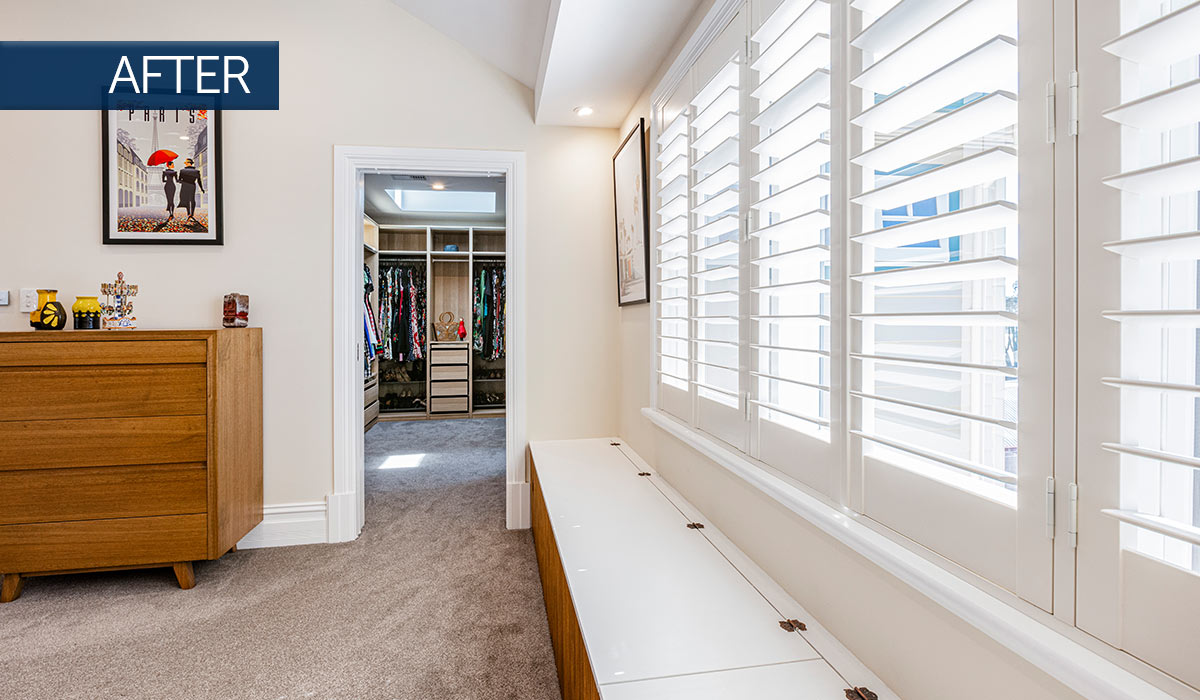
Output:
x=445 y=201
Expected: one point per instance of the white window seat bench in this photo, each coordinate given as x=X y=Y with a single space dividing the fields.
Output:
x=642 y=605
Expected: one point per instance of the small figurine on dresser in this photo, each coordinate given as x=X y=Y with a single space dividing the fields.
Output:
x=236 y=312
x=118 y=306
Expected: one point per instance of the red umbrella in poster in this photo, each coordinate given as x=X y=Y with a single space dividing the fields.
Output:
x=161 y=156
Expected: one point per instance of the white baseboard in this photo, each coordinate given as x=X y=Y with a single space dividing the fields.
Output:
x=288 y=524
x=342 y=517
x=518 y=505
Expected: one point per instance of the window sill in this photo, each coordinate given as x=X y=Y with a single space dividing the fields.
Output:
x=1078 y=667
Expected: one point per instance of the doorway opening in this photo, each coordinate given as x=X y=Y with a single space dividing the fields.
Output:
x=428 y=302
x=434 y=286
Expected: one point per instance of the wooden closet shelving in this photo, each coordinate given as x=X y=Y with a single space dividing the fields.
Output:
x=450 y=368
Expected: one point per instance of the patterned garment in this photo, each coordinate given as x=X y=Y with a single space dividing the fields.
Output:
x=489 y=298
x=477 y=322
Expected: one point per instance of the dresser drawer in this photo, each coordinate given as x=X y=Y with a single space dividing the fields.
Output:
x=449 y=356
x=371 y=394
x=103 y=352
x=104 y=391
x=102 y=442
x=448 y=405
x=86 y=544
x=458 y=372
x=448 y=389
x=51 y=495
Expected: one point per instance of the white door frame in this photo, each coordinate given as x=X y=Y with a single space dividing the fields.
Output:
x=345 y=506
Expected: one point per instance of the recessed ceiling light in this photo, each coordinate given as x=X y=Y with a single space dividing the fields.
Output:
x=438 y=186
x=584 y=111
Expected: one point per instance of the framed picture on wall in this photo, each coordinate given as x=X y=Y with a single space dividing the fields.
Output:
x=162 y=176
x=632 y=193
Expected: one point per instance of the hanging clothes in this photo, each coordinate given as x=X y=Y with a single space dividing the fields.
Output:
x=489 y=303
x=402 y=307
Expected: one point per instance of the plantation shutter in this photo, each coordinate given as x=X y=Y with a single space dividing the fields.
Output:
x=1139 y=486
x=716 y=239
x=935 y=268
x=790 y=240
x=674 y=326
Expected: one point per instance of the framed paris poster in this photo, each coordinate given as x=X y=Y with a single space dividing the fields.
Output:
x=162 y=176
x=631 y=192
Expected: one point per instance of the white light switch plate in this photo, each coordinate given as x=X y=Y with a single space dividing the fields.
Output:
x=3 y=297
x=28 y=301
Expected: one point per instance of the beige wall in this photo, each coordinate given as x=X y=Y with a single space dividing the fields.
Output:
x=353 y=72
x=919 y=649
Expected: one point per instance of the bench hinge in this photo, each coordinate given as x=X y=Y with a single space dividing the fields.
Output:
x=793 y=626
x=643 y=473
x=695 y=526
x=860 y=694
x=615 y=444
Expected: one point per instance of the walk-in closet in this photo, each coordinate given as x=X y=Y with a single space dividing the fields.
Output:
x=434 y=295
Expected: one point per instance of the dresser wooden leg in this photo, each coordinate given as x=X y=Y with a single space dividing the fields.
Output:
x=184 y=574
x=10 y=588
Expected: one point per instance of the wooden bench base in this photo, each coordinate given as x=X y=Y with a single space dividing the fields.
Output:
x=575 y=678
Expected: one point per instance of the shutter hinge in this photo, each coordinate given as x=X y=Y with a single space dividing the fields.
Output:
x=746 y=404
x=860 y=694
x=1050 y=507
x=793 y=626
x=1050 y=112
x=1073 y=105
x=695 y=526
x=1073 y=521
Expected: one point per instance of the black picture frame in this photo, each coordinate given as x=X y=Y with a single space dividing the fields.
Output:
x=216 y=230
x=628 y=291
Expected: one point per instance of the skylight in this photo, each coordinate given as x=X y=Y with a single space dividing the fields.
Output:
x=445 y=201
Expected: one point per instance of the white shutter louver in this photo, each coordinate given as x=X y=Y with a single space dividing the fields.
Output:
x=936 y=249
x=790 y=275
x=672 y=254
x=1159 y=383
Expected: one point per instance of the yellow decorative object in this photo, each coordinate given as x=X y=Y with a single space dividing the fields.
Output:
x=87 y=312
x=50 y=315
x=44 y=295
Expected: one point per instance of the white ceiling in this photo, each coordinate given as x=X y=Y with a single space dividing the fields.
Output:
x=506 y=33
x=598 y=53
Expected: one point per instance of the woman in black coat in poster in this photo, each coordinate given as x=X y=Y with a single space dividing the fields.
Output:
x=189 y=180
x=168 y=178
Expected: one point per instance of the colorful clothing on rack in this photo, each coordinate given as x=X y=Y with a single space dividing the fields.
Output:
x=402 y=301
x=489 y=302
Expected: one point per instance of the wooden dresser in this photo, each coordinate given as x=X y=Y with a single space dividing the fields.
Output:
x=127 y=449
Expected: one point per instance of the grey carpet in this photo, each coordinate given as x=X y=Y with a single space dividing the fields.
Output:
x=435 y=600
